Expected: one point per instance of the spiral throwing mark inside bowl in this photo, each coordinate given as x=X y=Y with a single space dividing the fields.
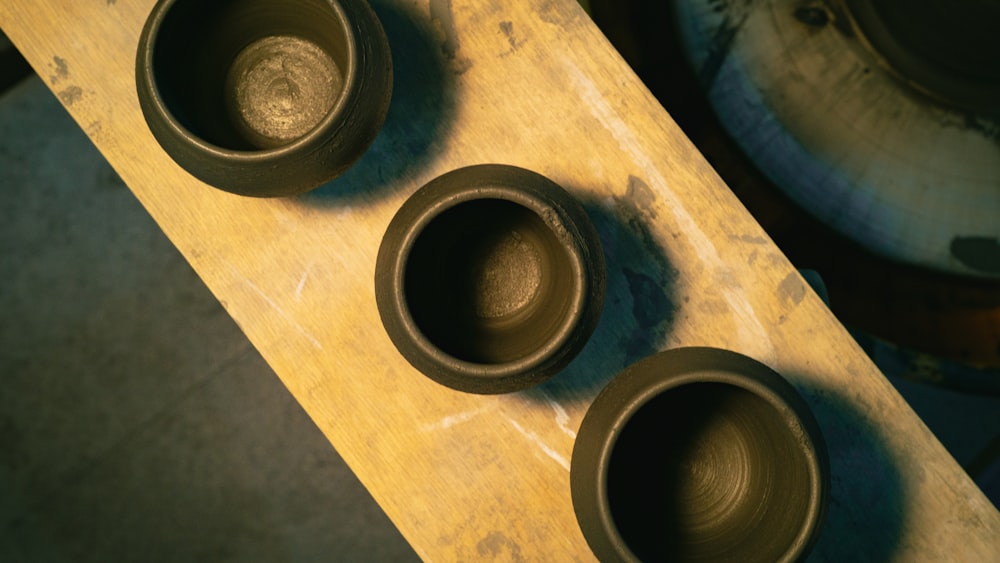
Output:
x=280 y=87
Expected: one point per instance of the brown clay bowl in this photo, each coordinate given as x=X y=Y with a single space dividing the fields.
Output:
x=490 y=279
x=699 y=454
x=264 y=97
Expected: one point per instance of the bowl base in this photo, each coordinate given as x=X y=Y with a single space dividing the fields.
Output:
x=279 y=88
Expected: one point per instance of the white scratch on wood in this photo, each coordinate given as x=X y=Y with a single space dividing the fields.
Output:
x=277 y=309
x=452 y=420
x=302 y=282
x=532 y=437
x=562 y=417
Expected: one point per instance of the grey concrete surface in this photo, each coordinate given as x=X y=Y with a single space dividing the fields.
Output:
x=137 y=423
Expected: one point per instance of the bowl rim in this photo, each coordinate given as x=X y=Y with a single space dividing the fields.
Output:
x=496 y=186
x=329 y=124
x=662 y=372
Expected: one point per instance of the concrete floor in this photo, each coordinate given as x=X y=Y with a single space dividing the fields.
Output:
x=136 y=421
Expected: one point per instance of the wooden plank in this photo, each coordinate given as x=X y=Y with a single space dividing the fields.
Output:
x=533 y=84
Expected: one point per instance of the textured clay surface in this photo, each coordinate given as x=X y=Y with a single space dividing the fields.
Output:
x=280 y=87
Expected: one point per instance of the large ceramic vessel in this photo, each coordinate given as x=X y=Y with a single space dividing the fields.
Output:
x=699 y=454
x=490 y=279
x=264 y=97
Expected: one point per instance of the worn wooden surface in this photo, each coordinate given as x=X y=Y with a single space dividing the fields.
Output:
x=533 y=84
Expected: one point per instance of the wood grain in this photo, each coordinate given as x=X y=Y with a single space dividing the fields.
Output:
x=532 y=84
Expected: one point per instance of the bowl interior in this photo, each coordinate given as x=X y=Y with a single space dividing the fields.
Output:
x=709 y=471
x=251 y=74
x=488 y=282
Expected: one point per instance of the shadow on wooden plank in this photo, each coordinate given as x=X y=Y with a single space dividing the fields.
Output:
x=864 y=520
x=639 y=303
x=420 y=112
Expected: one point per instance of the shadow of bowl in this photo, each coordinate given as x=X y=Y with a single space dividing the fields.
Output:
x=490 y=279
x=699 y=454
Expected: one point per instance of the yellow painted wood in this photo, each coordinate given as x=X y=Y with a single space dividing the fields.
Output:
x=535 y=84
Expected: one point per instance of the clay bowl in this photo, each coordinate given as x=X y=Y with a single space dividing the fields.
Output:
x=490 y=279
x=699 y=454
x=264 y=97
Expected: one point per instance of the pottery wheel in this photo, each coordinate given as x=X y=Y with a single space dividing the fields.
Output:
x=901 y=163
x=280 y=87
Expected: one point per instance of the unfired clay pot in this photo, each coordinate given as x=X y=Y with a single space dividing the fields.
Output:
x=490 y=279
x=699 y=454
x=264 y=97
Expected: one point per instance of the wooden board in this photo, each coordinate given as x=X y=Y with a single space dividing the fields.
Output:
x=533 y=84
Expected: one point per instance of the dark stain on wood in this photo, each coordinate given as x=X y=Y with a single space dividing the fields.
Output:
x=444 y=23
x=496 y=544
x=70 y=95
x=791 y=290
x=555 y=13
x=62 y=70
x=749 y=239
x=507 y=28
x=641 y=195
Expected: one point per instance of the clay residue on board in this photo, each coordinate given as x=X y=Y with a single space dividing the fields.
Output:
x=639 y=192
x=444 y=23
x=496 y=544
x=558 y=13
x=444 y=26
x=70 y=95
x=61 y=70
x=791 y=289
x=750 y=239
x=978 y=253
x=507 y=29
x=713 y=307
